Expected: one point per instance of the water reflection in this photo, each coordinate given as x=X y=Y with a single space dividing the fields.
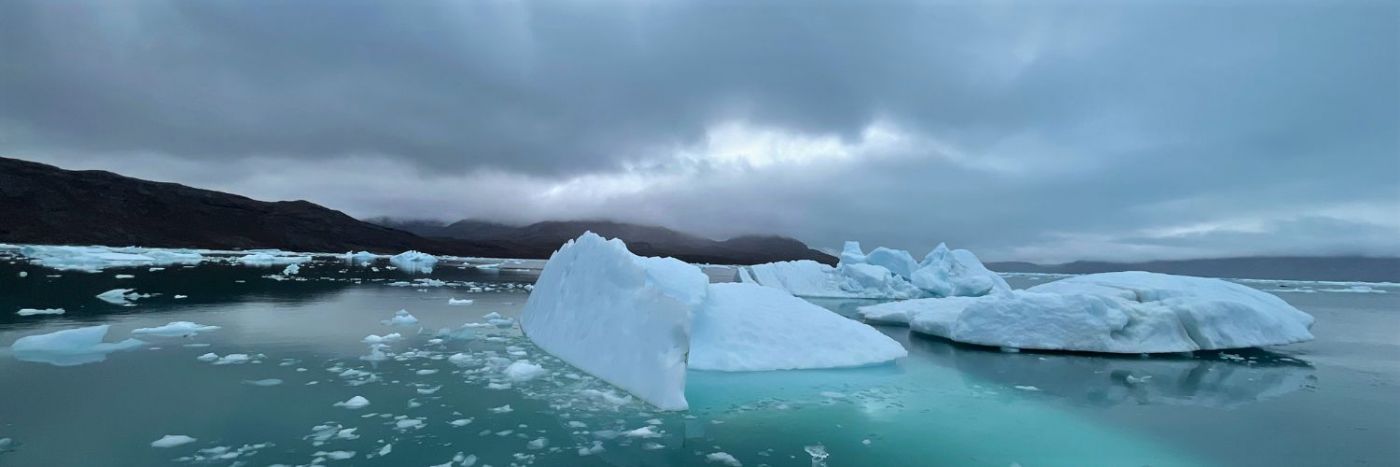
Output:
x=1221 y=379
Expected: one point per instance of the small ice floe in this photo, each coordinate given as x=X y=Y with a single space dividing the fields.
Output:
x=123 y=297
x=425 y=372
x=263 y=382
x=170 y=441
x=230 y=359
x=643 y=432
x=537 y=444
x=269 y=259
x=39 y=311
x=155 y=269
x=521 y=371
x=502 y=409
x=291 y=269
x=722 y=458
x=463 y=301
x=401 y=318
x=460 y=422
x=408 y=424
x=384 y=339
x=175 y=329
x=23 y=274
x=179 y=297
x=70 y=347
x=124 y=276
x=1027 y=388
x=335 y=455
x=353 y=403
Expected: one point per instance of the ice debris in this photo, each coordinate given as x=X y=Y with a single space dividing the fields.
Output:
x=70 y=346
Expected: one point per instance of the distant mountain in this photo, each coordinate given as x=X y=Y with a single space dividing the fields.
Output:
x=41 y=203
x=1341 y=268
x=540 y=239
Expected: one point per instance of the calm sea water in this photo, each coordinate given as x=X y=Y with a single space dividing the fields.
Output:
x=1330 y=402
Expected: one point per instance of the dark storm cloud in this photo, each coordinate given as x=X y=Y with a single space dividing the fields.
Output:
x=1101 y=117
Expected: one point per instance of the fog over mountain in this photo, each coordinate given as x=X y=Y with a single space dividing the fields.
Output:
x=1052 y=132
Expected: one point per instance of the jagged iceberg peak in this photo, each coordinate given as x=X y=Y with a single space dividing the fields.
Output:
x=414 y=261
x=885 y=273
x=851 y=253
x=1123 y=312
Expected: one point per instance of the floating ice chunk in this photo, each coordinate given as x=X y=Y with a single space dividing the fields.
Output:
x=96 y=258
x=70 y=346
x=175 y=329
x=408 y=424
x=291 y=269
x=39 y=311
x=622 y=318
x=123 y=297
x=230 y=359
x=384 y=339
x=124 y=276
x=851 y=253
x=362 y=257
x=263 y=382
x=170 y=441
x=335 y=455
x=537 y=444
x=270 y=259
x=744 y=327
x=354 y=403
x=1129 y=312
x=180 y=297
x=643 y=432
x=402 y=318
x=460 y=422
x=502 y=409
x=596 y=448
x=414 y=261
x=521 y=371
x=454 y=301
x=723 y=458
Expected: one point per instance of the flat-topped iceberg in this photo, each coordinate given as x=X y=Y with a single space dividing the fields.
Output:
x=361 y=257
x=639 y=323
x=1122 y=312
x=885 y=273
x=414 y=261
x=622 y=318
x=743 y=327
x=272 y=259
x=69 y=347
x=97 y=258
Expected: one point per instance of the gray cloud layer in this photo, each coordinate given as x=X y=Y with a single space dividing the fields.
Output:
x=1048 y=131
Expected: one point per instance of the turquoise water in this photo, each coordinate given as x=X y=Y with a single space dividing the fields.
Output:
x=1329 y=402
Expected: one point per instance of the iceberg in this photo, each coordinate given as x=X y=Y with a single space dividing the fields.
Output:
x=956 y=273
x=70 y=347
x=885 y=273
x=39 y=311
x=631 y=321
x=362 y=257
x=271 y=259
x=414 y=261
x=1122 y=312
x=175 y=329
x=97 y=258
x=744 y=327
x=170 y=441
x=123 y=297
x=622 y=318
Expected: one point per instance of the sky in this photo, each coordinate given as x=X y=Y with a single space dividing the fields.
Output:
x=1042 y=131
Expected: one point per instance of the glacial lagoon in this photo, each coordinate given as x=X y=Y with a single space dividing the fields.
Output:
x=440 y=393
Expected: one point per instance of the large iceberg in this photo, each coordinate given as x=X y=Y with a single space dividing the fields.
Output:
x=414 y=261
x=744 y=327
x=885 y=273
x=69 y=347
x=640 y=322
x=97 y=258
x=1122 y=312
x=617 y=316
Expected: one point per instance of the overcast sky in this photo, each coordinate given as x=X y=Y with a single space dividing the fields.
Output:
x=1048 y=131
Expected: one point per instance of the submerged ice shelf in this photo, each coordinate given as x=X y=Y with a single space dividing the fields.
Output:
x=633 y=321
